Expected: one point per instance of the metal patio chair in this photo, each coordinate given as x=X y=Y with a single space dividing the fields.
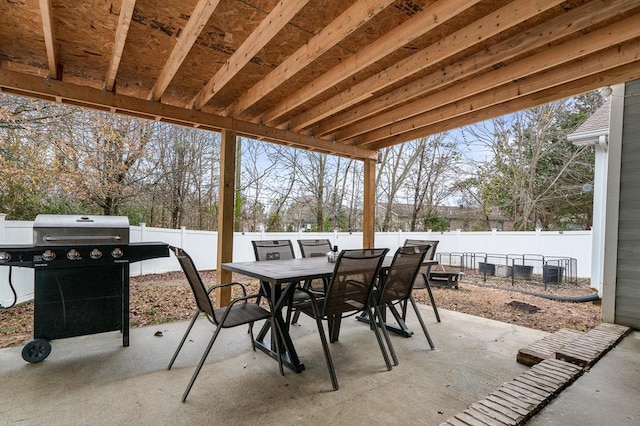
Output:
x=239 y=312
x=311 y=248
x=273 y=249
x=348 y=293
x=396 y=287
x=265 y=250
x=315 y=248
x=424 y=272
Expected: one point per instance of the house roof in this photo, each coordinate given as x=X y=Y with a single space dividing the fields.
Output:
x=594 y=126
x=346 y=77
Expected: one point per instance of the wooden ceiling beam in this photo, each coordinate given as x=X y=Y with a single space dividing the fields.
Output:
x=555 y=29
x=49 y=37
x=190 y=33
x=571 y=50
x=38 y=87
x=281 y=14
x=124 y=21
x=609 y=77
x=349 y=21
x=421 y=23
x=478 y=31
x=612 y=58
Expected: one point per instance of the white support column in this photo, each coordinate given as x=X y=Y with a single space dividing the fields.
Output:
x=599 y=209
x=612 y=211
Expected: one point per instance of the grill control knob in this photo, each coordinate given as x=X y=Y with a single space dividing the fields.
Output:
x=4 y=256
x=48 y=255
x=73 y=254
x=95 y=254
x=117 y=253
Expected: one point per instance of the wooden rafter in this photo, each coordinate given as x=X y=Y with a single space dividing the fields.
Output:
x=34 y=86
x=496 y=22
x=563 y=25
x=199 y=18
x=608 y=77
x=349 y=21
x=419 y=24
x=452 y=60
x=124 y=21
x=281 y=14
x=49 y=37
x=547 y=59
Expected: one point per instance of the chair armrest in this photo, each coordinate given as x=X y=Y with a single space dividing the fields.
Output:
x=244 y=289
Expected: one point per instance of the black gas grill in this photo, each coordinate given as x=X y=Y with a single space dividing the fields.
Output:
x=81 y=267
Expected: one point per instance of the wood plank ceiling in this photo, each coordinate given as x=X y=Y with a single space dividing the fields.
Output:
x=346 y=77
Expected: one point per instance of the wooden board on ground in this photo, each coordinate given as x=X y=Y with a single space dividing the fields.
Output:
x=517 y=401
x=546 y=347
x=591 y=346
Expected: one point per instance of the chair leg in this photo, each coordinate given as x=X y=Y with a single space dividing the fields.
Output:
x=433 y=302
x=424 y=327
x=200 y=364
x=378 y=312
x=379 y=339
x=327 y=354
x=184 y=338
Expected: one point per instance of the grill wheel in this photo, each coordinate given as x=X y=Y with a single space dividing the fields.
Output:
x=36 y=350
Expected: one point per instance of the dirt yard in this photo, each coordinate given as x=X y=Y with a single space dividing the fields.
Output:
x=157 y=299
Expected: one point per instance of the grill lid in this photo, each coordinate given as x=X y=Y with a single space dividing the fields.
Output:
x=52 y=229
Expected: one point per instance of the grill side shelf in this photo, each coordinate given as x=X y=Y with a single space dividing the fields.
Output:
x=147 y=250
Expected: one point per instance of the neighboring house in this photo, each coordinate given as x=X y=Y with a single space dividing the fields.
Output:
x=458 y=217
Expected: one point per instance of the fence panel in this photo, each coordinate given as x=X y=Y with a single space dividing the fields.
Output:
x=203 y=247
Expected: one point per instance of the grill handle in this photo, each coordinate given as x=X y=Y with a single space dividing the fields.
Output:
x=83 y=238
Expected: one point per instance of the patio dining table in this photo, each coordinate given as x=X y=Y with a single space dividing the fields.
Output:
x=282 y=277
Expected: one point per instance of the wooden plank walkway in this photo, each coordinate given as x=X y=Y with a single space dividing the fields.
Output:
x=558 y=360
x=517 y=401
x=589 y=348
x=547 y=347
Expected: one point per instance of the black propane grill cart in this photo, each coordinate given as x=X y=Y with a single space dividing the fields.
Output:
x=81 y=276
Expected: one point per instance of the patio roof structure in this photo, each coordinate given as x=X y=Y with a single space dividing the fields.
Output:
x=344 y=77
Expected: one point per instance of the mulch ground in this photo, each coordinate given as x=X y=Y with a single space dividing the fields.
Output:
x=157 y=299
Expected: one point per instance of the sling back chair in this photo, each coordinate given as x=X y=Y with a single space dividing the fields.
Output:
x=311 y=248
x=348 y=293
x=239 y=312
x=275 y=250
x=314 y=248
x=424 y=272
x=396 y=287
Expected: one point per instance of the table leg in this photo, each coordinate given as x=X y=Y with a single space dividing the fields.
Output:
x=287 y=350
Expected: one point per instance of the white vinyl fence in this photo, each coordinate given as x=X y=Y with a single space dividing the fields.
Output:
x=202 y=246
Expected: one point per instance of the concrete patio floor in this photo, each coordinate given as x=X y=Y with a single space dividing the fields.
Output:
x=93 y=380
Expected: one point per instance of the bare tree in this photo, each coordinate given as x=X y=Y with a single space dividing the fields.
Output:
x=103 y=159
x=393 y=172
x=434 y=176
x=534 y=172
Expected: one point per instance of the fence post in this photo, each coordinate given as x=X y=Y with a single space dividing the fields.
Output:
x=143 y=227
x=3 y=226
x=142 y=240
x=183 y=237
x=494 y=237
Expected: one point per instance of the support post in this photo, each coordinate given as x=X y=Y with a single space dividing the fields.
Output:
x=226 y=214
x=369 y=207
